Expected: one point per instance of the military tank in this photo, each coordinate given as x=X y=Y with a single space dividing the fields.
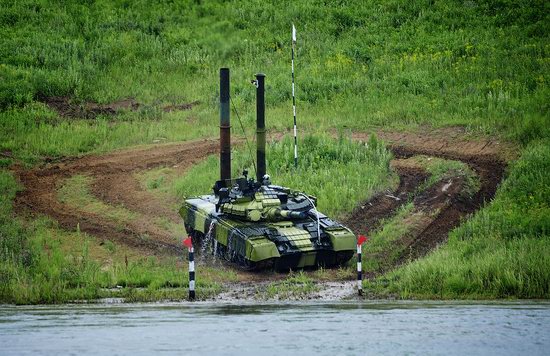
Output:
x=257 y=224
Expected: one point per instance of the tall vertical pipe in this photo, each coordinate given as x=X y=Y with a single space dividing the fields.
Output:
x=260 y=126
x=225 y=126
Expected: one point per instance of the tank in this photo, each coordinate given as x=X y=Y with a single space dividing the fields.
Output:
x=257 y=224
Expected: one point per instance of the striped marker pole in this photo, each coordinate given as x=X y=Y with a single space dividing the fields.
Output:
x=188 y=242
x=360 y=242
x=294 y=100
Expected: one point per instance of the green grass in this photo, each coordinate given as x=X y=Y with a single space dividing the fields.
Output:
x=29 y=136
x=387 y=244
x=37 y=267
x=502 y=252
x=296 y=286
x=75 y=192
x=340 y=172
x=443 y=169
x=383 y=247
x=483 y=65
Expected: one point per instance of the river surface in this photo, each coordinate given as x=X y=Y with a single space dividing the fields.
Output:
x=343 y=328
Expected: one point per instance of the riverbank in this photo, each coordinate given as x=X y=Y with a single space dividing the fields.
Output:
x=437 y=187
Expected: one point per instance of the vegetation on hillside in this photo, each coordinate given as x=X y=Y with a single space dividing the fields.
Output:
x=503 y=251
x=482 y=64
x=43 y=264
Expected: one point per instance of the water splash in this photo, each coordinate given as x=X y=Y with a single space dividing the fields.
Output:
x=209 y=242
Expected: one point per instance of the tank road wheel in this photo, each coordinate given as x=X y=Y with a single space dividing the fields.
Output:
x=264 y=265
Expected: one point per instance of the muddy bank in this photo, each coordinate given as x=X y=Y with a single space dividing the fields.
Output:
x=443 y=205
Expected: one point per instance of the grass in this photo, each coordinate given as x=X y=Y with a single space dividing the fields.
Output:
x=440 y=169
x=483 y=66
x=75 y=192
x=157 y=179
x=384 y=246
x=388 y=244
x=339 y=172
x=43 y=264
x=340 y=274
x=501 y=252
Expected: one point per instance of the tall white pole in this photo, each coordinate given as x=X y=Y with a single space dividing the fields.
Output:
x=294 y=99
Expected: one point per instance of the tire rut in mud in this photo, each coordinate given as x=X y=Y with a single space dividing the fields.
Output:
x=450 y=208
x=113 y=183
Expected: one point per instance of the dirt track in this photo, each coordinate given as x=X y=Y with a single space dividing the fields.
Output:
x=114 y=183
x=445 y=206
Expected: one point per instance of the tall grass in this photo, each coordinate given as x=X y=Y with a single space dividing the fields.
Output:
x=483 y=65
x=503 y=251
x=340 y=172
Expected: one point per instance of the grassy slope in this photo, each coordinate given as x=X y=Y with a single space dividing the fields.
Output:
x=358 y=64
x=481 y=64
x=43 y=264
x=503 y=251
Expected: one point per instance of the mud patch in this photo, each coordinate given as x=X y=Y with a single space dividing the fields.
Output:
x=368 y=216
x=68 y=108
x=443 y=202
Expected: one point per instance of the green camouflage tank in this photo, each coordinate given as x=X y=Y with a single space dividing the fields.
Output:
x=257 y=224
x=264 y=225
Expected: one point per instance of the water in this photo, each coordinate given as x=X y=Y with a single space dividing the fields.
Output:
x=207 y=240
x=278 y=329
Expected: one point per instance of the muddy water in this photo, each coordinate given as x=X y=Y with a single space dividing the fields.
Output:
x=266 y=329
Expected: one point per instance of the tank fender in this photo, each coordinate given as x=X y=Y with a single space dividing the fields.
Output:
x=260 y=248
x=342 y=239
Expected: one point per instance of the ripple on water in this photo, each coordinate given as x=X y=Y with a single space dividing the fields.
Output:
x=279 y=328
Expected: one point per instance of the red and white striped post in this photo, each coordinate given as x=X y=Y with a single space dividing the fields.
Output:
x=188 y=242
x=360 y=240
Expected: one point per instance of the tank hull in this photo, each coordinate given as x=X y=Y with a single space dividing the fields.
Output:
x=283 y=245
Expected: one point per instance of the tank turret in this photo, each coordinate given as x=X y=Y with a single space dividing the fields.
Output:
x=255 y=223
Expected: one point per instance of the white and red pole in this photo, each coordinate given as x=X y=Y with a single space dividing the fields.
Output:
x=360 y=240
x=188 y=242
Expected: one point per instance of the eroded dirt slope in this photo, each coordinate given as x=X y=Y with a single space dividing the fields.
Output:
x=443 y=202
